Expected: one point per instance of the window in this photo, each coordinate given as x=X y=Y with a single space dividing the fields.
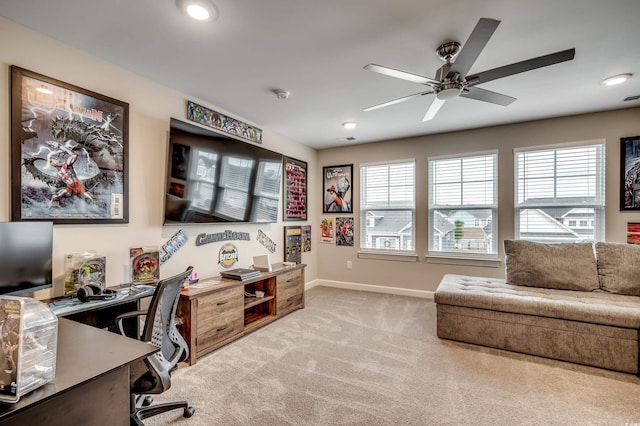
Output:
x=463 y=205
x=557 y=189
x=387 y=206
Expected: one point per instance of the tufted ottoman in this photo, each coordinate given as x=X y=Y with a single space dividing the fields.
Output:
x=585 y=327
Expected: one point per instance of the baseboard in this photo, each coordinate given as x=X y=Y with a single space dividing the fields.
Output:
x=424 y=294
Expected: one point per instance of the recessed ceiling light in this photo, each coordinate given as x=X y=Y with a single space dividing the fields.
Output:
x=350 y=125
x=616 y=79
x=201 y=10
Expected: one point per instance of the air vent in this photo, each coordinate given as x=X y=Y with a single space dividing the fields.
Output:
x=347 y=139
x=631 y=98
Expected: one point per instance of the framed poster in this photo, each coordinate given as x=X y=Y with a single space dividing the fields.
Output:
x=306 y=238
x=293 y=244
x=327 y=232
x=336 y=189
x=630 y=173
x=69 y=158
x=633 y=233
x=295 y=189
x=344 y=231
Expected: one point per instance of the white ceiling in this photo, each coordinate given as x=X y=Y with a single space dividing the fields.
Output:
x=316 y=49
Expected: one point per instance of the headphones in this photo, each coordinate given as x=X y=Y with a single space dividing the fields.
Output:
x=89 y=292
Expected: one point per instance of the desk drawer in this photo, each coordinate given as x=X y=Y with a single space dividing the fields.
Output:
x=289 y=280
x=218 y=304
x=218 y=331
x=289 y=302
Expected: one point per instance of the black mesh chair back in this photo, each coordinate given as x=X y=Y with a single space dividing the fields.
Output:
x=153 y=375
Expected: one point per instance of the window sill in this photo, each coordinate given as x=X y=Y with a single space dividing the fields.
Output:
x=487 y=262
x=395 y=256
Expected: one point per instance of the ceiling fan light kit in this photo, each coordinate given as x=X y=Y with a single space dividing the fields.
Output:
x=452 y=79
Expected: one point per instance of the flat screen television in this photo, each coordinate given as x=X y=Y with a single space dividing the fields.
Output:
x=213 y=178
x=26 y=250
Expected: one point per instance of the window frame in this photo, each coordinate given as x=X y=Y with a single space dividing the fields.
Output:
x=599 y=207
x=386 y=253
x=448 y=256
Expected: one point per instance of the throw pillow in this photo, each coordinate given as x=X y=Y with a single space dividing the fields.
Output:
x=618 y=268
x=563 y=266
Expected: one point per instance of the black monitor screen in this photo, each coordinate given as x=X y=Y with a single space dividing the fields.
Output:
x=25 y=256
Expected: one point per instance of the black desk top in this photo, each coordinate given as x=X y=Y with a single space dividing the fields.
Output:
x=83 y=353
x=63 y=306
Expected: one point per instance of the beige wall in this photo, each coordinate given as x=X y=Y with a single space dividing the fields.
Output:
x=151 y=107
x=610 y=126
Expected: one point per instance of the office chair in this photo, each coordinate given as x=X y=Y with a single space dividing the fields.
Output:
x=153 y=374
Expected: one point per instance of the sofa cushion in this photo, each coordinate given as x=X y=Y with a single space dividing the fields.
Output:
x=494 y=294
x=619 y=268
x=565 y=266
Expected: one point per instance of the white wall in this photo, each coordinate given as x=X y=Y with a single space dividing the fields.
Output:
x=150 y=108
x=423 y=276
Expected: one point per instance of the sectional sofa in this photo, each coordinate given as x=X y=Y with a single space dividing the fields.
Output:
x=575 y=302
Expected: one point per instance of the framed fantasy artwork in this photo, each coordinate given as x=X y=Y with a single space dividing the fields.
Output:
x=69 y=152
x=336 y=189
x=630 y=173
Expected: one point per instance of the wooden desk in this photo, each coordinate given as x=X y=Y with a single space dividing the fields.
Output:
x=91 y=386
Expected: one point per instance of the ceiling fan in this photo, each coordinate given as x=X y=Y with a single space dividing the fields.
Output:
x=452 y=80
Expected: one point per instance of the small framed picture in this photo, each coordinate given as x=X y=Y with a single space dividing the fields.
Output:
x=630 y=173
x=337 y=189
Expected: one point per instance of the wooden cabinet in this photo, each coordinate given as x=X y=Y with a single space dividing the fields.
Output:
x=218 y=311
x=290 y=291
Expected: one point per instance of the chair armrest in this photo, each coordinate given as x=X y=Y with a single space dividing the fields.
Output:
x=122 y=317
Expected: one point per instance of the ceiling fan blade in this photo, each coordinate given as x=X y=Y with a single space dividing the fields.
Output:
x=473 y=46
x=487 y=96
x=403 y=75
x=523 y=66
x=433 y=109
x=397 y=101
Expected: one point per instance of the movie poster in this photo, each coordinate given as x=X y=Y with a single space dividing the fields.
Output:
x=327 y=234
x=306 y=238
x=73 y=159
x=344 y=231
x=337 y=189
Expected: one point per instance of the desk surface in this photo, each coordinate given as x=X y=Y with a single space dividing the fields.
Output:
x=71 y=305
x=83 y=354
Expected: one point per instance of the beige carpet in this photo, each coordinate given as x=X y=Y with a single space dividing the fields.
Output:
x=356 y=358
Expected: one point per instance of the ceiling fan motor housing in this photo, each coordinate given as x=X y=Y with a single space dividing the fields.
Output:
x=449 y=90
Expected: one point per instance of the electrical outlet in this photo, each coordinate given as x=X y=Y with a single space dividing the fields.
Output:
x=349 y=264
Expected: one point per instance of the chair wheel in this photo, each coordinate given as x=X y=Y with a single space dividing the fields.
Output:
x=147 y=401
x=188 y=412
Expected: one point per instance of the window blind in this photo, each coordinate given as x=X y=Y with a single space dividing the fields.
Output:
x=560 y=194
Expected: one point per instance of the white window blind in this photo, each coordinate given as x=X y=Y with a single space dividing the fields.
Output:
x=387 y=206
x=560 y=194
x=463 y=205
x=266 y=192
x=235 y=177
x=202 y=179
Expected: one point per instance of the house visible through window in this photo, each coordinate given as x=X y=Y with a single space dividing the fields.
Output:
x=560 y=193
x=463 y=205
x=387 y=206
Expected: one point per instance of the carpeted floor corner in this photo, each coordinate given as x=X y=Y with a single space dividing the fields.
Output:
x=357 y=358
